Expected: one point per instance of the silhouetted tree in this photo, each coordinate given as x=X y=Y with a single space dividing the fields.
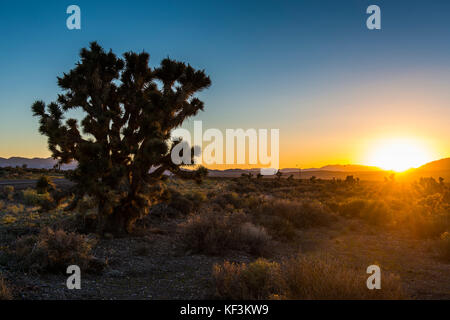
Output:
x=44 y=184
x=123 y=147
x=350 y=179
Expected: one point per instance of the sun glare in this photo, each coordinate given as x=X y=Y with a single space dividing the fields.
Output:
x=399 y=154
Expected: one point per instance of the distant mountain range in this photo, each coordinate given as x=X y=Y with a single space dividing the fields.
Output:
x=435 y=169
x=439 y=168
x=432 y=169
x=37 y=163
x=331 y=168
x=438 y=165
x=48 y=163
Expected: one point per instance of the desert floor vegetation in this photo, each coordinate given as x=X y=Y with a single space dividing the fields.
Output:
x=235 y=238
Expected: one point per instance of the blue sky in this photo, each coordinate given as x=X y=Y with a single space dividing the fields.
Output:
x=295 y=65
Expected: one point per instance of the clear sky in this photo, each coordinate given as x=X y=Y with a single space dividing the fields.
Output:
x=310 y=68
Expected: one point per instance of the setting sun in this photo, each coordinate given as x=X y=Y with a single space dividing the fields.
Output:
x=399 y=154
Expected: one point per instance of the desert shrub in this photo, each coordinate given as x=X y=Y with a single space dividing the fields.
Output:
x=301 y=277
x=55 y=250
x=7 y=192
x=375 y=212
x=197 y=199
x=352 y=208
x=255 y=239
x=428 y=186
x=14 y=208
x=309 y=213
x=278 y=227
x=250 y=202
x=232 y=200
x=31 y=197
x=257 y=280
x=8 y=219
x=428 y=221
x=181 y=204
x=163 y=210
x=325 y=277
x=243 y=186
x=299 y=214
x=426 y=226
x=215 y=233
x=332 y=204
x=44 y=185
x=444 y=246
x=184 y=204
x=5 y=292
x=229 y=199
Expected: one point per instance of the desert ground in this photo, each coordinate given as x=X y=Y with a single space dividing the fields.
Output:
x=234 y=238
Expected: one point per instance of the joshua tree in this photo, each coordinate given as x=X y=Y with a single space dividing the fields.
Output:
x=124 y=145
x=392 y=177
x=350 y=179
x=44 y=184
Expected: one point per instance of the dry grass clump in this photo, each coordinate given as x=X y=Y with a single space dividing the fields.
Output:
x=257 y=280
x=231 y=201
x=217 y=232
x=325 y=277
x=14 y=208
x=5 y=292
x=312 y=277
x=7 y=193
x=55 y=250
x=31 y=197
